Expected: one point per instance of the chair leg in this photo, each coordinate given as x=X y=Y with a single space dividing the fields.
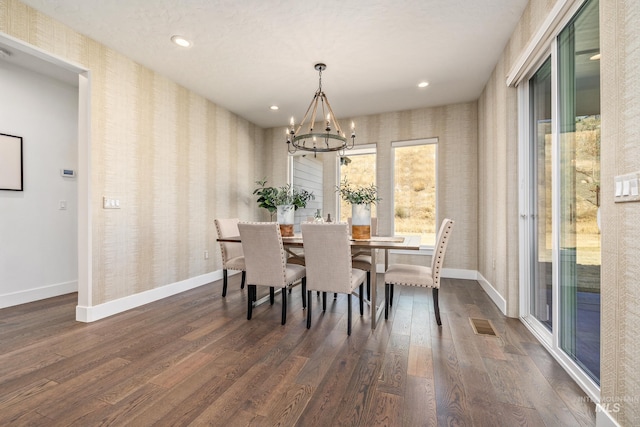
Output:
x=244 y=279
x=386 y=300
x=250 y=289
x=391 y=294
x=224 y=283
x=324 y=301
x=304 y=293
x=361 y=299
x=349 y=314
x=284 y=305
x=369 y=285
x=309 y=310
x=272 y=294
x=436 y=307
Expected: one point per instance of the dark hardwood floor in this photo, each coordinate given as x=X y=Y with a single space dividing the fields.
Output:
x=194 y=359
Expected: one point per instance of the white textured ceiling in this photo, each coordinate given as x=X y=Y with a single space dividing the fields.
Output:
x=250 y=54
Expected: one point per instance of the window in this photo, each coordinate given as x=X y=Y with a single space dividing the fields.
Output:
x=414 y=194
x=358 y=166
x=306 y=174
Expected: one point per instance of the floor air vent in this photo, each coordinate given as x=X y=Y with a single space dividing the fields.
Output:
x=482 y=327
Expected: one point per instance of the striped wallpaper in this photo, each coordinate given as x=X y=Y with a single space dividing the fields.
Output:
x=174 y=160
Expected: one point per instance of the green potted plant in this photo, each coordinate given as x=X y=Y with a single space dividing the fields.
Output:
x=361 y=198
x=284 y=201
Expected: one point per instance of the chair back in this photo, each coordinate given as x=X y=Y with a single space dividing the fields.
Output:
x=441 y=247
x=374 y=225
x=327 y=252
x=228 y=227
x=264 y=254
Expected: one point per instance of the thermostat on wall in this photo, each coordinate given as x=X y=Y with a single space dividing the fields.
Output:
x=69 y=173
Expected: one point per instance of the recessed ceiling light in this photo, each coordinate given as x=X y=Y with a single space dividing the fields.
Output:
x=595 y=57
x=423 y=84
x=180 y=41
x=274 y=107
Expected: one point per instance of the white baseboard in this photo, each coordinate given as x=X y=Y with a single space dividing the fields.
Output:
x=604 y=418
x=100 y=311
x=37 y=294
x=456 y=273
x=495 y=296
x=97 y=312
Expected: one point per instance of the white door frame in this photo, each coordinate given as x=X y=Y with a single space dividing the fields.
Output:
x=84 y=162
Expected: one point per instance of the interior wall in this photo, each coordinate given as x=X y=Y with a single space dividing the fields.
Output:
x=38 y=243
x=455 y=126
x=174 y=160
x=620 y=133
x=497 y=165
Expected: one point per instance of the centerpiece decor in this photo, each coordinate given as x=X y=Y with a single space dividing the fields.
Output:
x=283 y=201
x=361 y=199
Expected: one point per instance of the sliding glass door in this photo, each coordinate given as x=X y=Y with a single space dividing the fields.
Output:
x=562 y=237
x=579 y=180
x=540 y=154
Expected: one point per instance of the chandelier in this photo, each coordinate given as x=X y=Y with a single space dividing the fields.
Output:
x=319 y=141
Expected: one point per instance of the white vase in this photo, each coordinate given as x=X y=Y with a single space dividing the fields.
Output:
x=361 y=221
x=286 y=215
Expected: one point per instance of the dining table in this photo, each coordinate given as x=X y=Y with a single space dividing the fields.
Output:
x=371 y=246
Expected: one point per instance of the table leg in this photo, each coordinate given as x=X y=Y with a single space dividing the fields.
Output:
x=374 y=290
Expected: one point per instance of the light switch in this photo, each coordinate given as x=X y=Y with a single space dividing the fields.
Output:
x=625 y=187
x=62 y=205
x=109 y=203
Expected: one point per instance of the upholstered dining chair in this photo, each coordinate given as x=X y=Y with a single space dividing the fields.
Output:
x=328 y=261
x=362 y=259
x=266 y=263
x=419 y=275
x=232 y=255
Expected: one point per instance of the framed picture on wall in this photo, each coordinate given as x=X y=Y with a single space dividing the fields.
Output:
x=10 y=162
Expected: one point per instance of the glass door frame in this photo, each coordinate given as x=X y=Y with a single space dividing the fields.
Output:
x=527 y=210
x=550 y=339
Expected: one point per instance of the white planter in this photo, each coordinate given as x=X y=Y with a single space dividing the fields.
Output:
x=286 y=215
x=361 y=221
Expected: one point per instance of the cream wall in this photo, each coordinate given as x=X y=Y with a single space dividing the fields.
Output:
x=620 y=154
x=497 y=165
x=174 y=160
x=455 y=126
x=498 y=228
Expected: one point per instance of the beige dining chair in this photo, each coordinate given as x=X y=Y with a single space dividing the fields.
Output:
x=362 y=259
x=328 y=261
x=419 y=275
x=232 y=255
x=266 y=263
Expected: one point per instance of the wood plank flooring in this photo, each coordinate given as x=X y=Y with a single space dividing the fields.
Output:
x=194 y=359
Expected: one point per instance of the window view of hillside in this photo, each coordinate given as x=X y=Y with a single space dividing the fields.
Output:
x=415 y=191
x=587 y=183
x=414 y=195
x=360 y=170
